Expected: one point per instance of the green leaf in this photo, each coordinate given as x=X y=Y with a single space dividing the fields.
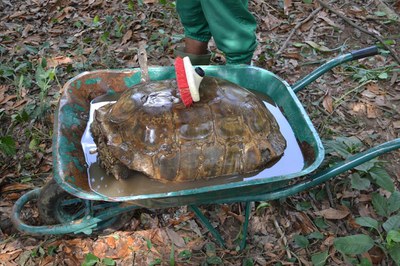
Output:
x=248 y=262
x=318 y=47
x=367 y=222
x=303 y=206
x=90 y=260
x=108 y=262
x=337 y=146
x=7 y=146
x=96 y=19
x=185 y=254
x=383 y=75
x=365 y=167
x=155 y=262
x=320 y=222
x=149 y=244
x=214 y=260
x=315 y=235
x=262 y=206
x=33 y=144
x=355 y=244
x=172 y=256
x=210 y=249
x=393 y=236
x=320 y=258
x=298 y=44
x=380 y=204
x=301 y=241
x=365 y=262
x=394 y=253
x=394 y=202
x=359 y=183
x=382 y=178
x=380 y=14
x=393 y=223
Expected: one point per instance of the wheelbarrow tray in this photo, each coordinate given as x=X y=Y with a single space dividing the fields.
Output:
x=71 y=118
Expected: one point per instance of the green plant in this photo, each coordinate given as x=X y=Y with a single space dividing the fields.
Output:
x=384 y=230
x=366 y=173
x=363 y=74
x=43 y=79
x=7 y=145
x=91 y=259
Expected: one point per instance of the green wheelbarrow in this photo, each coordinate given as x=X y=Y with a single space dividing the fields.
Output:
x=70 y=205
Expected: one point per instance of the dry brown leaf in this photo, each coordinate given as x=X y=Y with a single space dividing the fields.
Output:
x=7 y=98
x=58 y=60
x=368 y=94
x=372 y=111
x=353 y=224
x=175 y=238
x=333 y=214
x=397 y=6
x=327 y=103
x=305 y=27
x=305 y=223
x=19 y=103
x=100 y=248
x=364 y=197
x=376 y=255
x=127 y=36
x=324 y=17
x=374 y=88
x=360 y=108
x=15 y=187
x=292 y=55
x=26 y=30
x=286 y=6
x=396 y=124
x=364 y=210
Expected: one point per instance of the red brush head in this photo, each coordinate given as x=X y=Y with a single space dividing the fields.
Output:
x=181 y=80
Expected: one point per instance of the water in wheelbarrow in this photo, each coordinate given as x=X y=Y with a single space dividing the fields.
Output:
x=139 y=184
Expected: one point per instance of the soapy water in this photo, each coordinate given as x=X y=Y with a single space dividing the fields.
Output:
x=100 y=182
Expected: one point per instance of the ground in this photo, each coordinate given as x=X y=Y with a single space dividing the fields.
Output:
x=351 y=219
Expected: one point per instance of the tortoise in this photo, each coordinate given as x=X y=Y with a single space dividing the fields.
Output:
x=228 y=132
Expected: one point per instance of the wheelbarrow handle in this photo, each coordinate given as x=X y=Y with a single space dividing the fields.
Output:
x=354 y=55
x=365 y=52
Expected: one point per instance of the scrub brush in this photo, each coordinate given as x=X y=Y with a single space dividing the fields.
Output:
x=188 y=80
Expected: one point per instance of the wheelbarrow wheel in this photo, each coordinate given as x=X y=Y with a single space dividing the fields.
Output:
x=56 y=206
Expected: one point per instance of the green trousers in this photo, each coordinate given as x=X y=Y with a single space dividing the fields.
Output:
x=229 y=22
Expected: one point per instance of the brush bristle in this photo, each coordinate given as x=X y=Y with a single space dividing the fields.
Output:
x=181 y=80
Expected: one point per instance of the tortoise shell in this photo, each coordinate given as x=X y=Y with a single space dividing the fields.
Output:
x=228 y=132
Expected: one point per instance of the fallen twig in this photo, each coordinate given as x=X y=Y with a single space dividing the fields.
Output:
x=284 y=239
x=392 y=52
x=390 y=13
x=298 y=25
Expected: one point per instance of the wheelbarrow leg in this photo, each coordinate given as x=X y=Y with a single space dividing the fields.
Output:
x=245 y=224
x=215 y=232
x=209 y=226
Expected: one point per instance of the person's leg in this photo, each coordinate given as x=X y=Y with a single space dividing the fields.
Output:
x=232 y=27
x=195 y=47
x=197 y=33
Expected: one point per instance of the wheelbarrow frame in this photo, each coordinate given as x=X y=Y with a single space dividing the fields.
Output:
x=271 y=188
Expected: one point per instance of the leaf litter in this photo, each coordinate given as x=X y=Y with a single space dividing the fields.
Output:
x=70 y=37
